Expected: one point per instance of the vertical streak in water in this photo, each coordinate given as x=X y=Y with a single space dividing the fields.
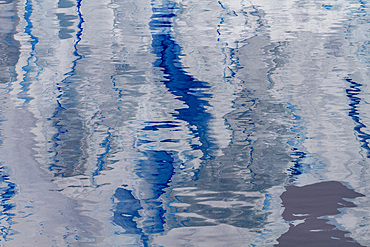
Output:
x=78 y=39
x=106 y=145
x=79 y=32
x=68 y=142
x=7 y=191
x=297 y=142
x=352 y=93
x=158 y=167
x=10 y=55
x=183 y=86
x=127 y=209
x=221 y=21
x=106 y=142
x=33 y=41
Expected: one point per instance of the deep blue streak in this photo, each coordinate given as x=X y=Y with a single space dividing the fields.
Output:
x=352 y=93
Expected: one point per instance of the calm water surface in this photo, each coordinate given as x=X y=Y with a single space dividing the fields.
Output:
x=184 y=123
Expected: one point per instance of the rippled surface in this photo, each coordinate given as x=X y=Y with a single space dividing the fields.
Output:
x=184 y=123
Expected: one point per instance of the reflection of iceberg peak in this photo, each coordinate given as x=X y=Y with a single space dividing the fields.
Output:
x=184 y=86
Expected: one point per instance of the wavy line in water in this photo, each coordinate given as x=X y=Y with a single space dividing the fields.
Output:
x=10 y=54
x=352 y=93
x=297 y=143
x=7 y=192
x=158 y=167
x=69 y=143
x=183 y=86
x=32 y=59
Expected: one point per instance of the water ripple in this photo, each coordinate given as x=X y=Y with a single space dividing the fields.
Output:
x=177 y=123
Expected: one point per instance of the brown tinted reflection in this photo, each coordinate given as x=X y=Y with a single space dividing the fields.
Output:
x=309 y=203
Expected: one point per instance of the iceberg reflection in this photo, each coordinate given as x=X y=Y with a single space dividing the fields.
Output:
x=177 y=123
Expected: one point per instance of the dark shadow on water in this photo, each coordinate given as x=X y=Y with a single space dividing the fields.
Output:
x=311 y=203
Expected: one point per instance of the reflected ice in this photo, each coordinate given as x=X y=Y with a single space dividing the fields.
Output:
x=144 y=123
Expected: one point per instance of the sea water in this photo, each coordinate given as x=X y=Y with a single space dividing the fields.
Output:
x=184 y=123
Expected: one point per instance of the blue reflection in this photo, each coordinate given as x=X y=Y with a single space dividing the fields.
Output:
x=352 y=93
x=158 y=167
x=7 y=192
x=157 y=170
x=69 y=144
x=9 y=55
x=126 y=210
x=32 y=59
x=100 y=166
x=297 y=142
x=183 y=86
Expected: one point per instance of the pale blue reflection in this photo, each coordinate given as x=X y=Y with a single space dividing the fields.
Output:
x=157 y=168
x=69 y=158
x=9 y=53
x=183 y=123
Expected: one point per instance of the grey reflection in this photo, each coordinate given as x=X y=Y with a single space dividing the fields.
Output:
x=9 y=47
x=309 y=204
x=66 y=20
x=70 y=142
x=65 y=4
x=256 y=158
x=9 y=54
